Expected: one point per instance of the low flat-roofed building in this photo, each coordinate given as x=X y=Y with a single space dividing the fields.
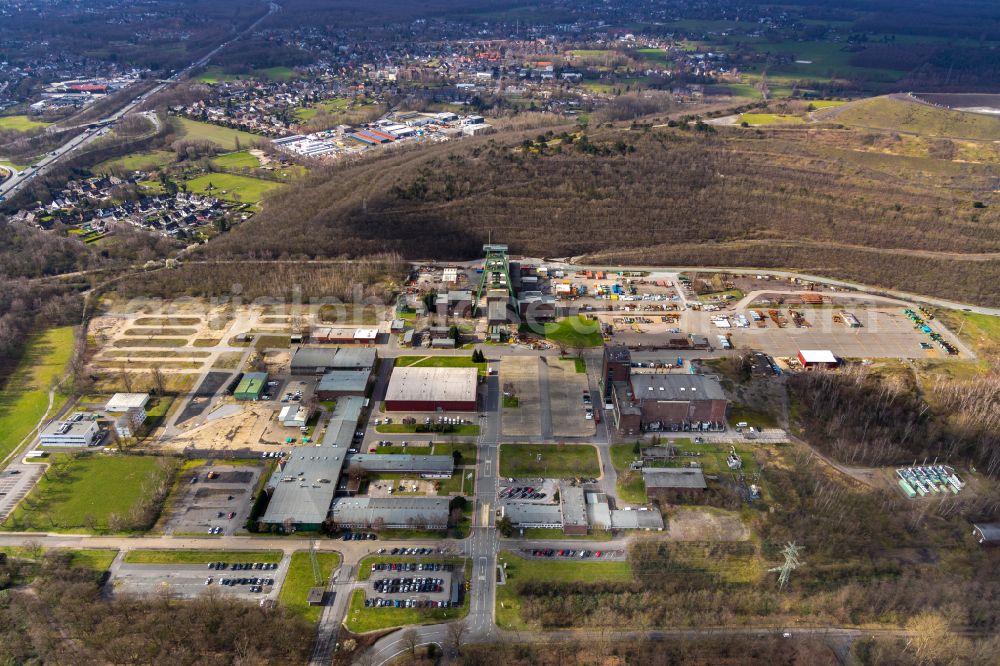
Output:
x=430 y=389
x=366 y=336
x=665 y=484
x=294 y=416
x=392 y=512
x=643 y=518
x=312 y=361
x=668 y=402
x=428 y=467
x=80 y=429
x=127 y=425
x=343 y=422
x=443 y=343
x=343 y=335
x=527 y=515
x=304 y=487
x=339 y=383
x=354 y=358
x=251 y=386
x=574 y=510
x=122 y=402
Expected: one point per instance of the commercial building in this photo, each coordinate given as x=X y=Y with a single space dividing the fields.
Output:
x=127 y=425
x=430 y=389
x=78 y=430
x=574 y=510
x=343 y=422
x=423 y=513
x=294 y=416
x=580 y=511
x=817 y=359
x=527 y=515
x=665 y=484
x=120 y=403
x=668 y=402
x=316 y=361
x=251 y=386
x=428 y=467
x=303 y=487
x=339 y=383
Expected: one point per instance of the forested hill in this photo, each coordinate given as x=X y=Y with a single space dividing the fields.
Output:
x=839 y=201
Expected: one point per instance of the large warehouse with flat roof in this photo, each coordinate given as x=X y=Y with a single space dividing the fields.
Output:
x=431 y=389
x=425 y=513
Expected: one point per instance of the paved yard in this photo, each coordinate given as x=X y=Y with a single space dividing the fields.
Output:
x=566 y=387
x=525 y=419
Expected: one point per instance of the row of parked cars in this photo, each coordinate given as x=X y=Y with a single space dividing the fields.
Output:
x=378 y=602
x=239 y=566
x=552 y=552
x=360 y=536
x=410 y=551
x=520 y=493
x=404 y=585
x=256 y=584
x=412 y=566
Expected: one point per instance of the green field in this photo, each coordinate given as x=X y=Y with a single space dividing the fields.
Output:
x=575 y=332
x=591 y=53
x=221 y=136
x=20 y=123
x=138 y=162
x=201 y=556
x=98 y=559
x=300 y=579
x=631 y=488
x=218 y=75
x=305 y=114
x=89 y=490
x=557 y=461
x=904 y=116
x=556 y=534
x=771 y=119
x=464 y=430
x=240 y=160
x=232 y=187
x=508 y=604
x=440 y=362
x=24 y=400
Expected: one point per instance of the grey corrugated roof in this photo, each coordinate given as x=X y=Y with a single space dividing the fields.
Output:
x=676 y=387
x=343 y=422
x=354 y=358
x=311 y=357
x=394 y=511
x=526 y=513
x=305 y=487
x=344 y=380
x=375 y=462
x=674 y=477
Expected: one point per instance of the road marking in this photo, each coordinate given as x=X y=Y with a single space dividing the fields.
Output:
x=482 y=568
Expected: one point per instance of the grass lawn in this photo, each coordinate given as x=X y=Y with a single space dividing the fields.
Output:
x=300 y=579
x=740 y=412
x=981 y=331
x=20 y=123
x=219 y=75
x=24 y=400
x=581 y=365
x=468 y=450
x=508 y=604
x=631 y=488
x=713 y=457
x=557 y=461
x=201 y=556
x=771 y=119
x=89 y=490
x=440 y=362
x=221 y=136
x=232 y=187
x=98 y=559
x=240 y=160
x=464 y=430
x=556 y=534
x=139 y=161
x=622 y=455
x=575 y=332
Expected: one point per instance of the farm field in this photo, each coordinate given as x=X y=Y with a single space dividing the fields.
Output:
x=88 y=493
x=24 y=400
x=221 y=136
x=557 y=461
x=218 y=75
x=230 y=186
x=300 y=579
x=237 y=160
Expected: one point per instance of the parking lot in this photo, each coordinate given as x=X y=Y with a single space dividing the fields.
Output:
x=190 y=580
x=541 y=491
x=216 y=505
x=15 y=482
x=566 y=389
x=592 y=553
x=521 y=373
x=411 y=585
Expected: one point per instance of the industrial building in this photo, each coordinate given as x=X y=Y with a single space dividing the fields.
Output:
x=78 y=430
x=431 y=389
x=294 y=416
x=251 y=386
x=665 y=402
x=120 y=403
x=580 y=511
x=817 y=359
x=304 y=486
x=428 y=467
x=340 y=383
x=341 y=335
x=343 y=422
x=424 y=513
x=665 y=484
x=316 y=361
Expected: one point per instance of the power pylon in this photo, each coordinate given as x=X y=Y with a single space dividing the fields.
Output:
x=792 y=562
